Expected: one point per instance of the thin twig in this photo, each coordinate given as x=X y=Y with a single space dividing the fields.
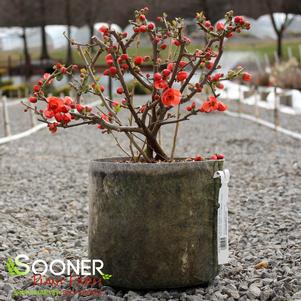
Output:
x=119 y=145
x=175 y=134
x=132 y=71
x=95 y=81
x=202 y=83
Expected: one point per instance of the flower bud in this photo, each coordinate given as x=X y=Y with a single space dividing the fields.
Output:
x=33 y=99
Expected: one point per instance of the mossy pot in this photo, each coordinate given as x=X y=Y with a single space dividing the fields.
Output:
x=154 y=225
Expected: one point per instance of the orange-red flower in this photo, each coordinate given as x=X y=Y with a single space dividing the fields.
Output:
x=222 y=107
x=68 y=101
x=171 y=97
x=59 y=109
x=48 y=114
x=105 y=118
x=55 y=104
x=182 y=75
x=109 y=59
x=138 y=60
x=120 y=90
x=52 y=127
x=103 y=29
x=33 y=99
x=246 y=76
x=210 y=105
x=170 y=66
x=46 y=77
x=220 y=26
x=160 y=84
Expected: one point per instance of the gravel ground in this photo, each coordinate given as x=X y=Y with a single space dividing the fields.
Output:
x=14 y=112
x=44 y=206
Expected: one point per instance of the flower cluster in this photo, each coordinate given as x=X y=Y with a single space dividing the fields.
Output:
x=60 y=111
x=213 y=157
x=170 y=84
x=232 y=25
x=212 y=104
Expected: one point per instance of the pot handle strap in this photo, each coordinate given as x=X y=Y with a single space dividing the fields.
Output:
x=222 y=217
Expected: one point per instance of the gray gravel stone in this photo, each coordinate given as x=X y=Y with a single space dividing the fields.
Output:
x=219 y=296
x=114 y=298
x=7 y=287
x=232 y=292
x=194 y=298
x=44 y=197
x=254 y=291
x=297 y=296
x=266 y=294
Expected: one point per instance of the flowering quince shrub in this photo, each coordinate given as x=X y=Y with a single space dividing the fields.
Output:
x=173 y=97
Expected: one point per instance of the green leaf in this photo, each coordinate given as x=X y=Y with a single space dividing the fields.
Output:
x=117 y=109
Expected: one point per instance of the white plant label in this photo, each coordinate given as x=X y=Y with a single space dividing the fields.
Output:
x=222 y=217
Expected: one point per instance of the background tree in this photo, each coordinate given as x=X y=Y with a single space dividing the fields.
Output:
x=68 y=15
x=279 y=30
x=44 y=50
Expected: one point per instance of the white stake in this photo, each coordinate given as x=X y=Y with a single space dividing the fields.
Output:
x=267 y=60
x=26 y=92
x=239 y=99
x=256 y=103
x=259 y=64
x=276 y=57
x=33 y=120
x=289 y=52
x=19 y=93
x=7 y=131
x=276 y=110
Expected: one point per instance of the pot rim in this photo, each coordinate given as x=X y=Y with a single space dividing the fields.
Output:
x=113 y=163
x=179 y=160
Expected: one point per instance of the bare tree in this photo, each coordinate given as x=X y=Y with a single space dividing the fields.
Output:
x=44 y=50
x=19 y=6
x=69 y=58
x=280 y=31
x=91 y=14
x=27 y=58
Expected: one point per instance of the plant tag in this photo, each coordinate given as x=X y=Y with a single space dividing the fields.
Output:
x=222 y=217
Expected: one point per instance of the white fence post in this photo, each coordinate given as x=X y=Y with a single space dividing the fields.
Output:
x=7 y=131
x=276 y=110
x=289 y=52
x=26 y=92
x=256 y=103
x=276 y=57
x=259 y=64
x=267 y=61
x=19 y=93
x=240 y=98
x=33 y=120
